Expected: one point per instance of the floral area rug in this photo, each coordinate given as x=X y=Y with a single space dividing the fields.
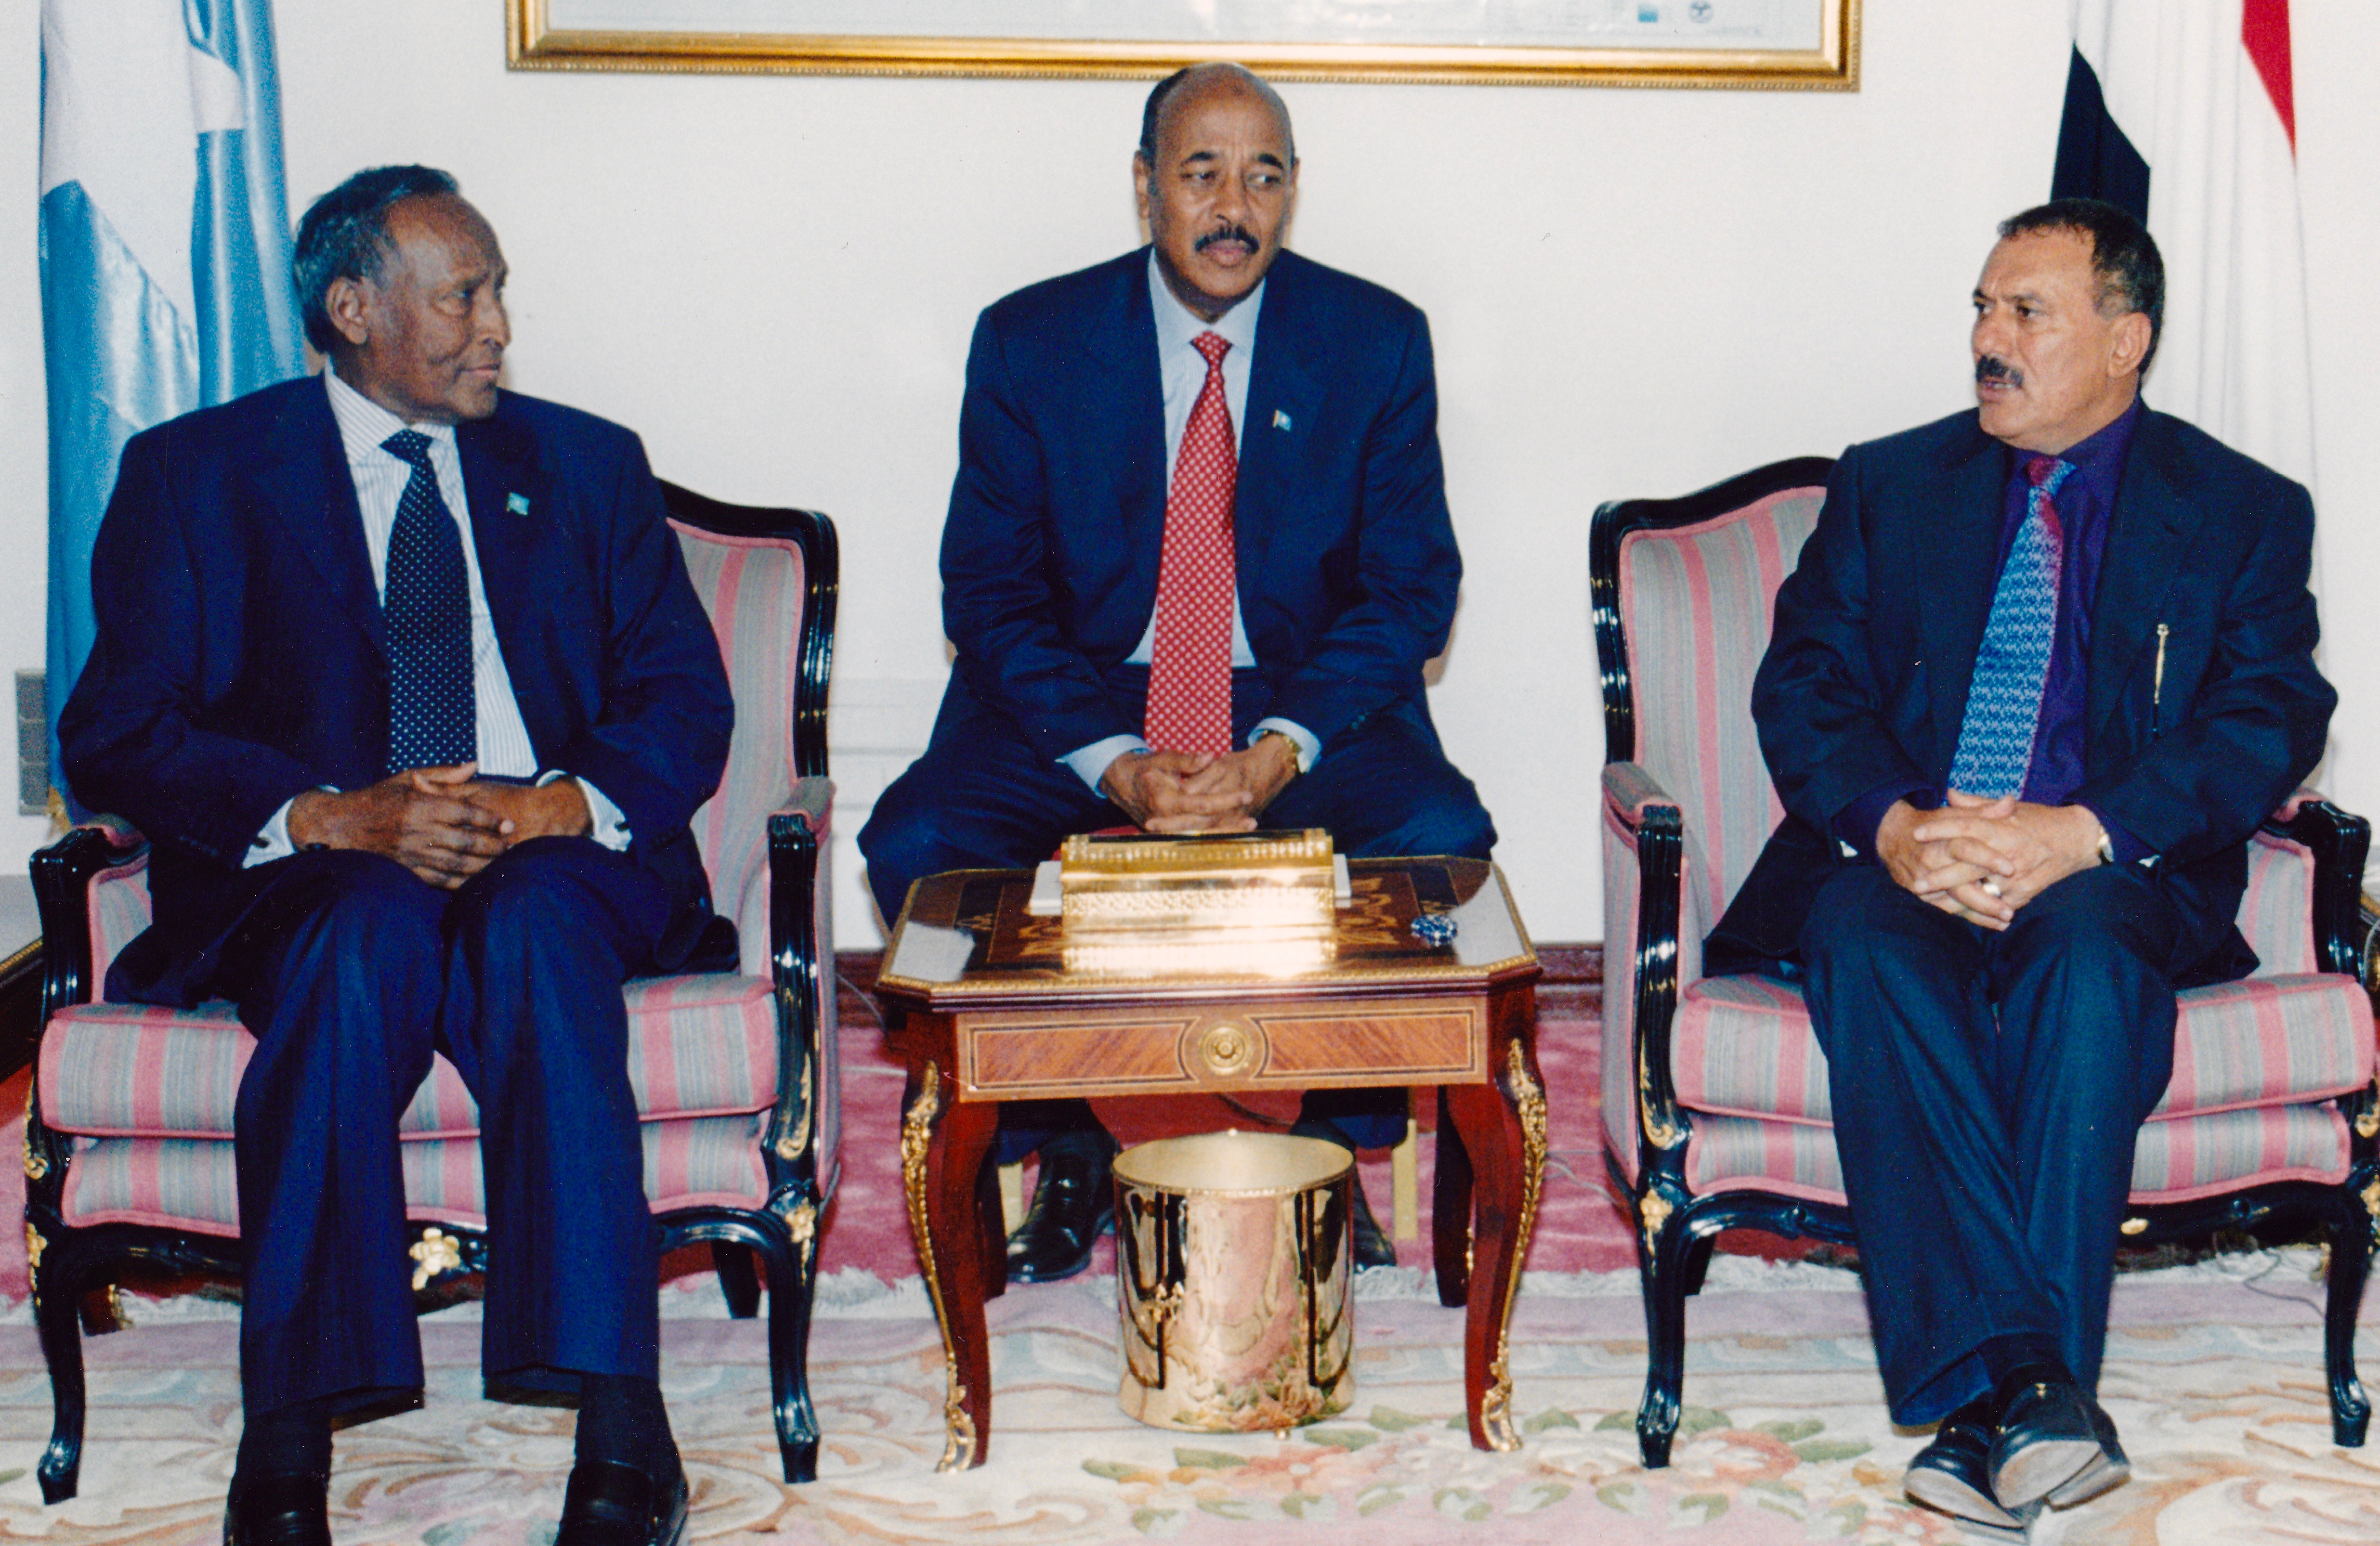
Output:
x=2213 y=1373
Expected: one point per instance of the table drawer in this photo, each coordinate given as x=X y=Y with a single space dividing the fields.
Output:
x=1116 y=1052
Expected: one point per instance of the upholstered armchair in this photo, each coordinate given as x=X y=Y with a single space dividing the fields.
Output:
x=1715 y=1110
x=129 y=1143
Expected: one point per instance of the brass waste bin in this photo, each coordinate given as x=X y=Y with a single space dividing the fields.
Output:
x=1231 y=1271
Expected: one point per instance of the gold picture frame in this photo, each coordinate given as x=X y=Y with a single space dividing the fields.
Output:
x=639 y=37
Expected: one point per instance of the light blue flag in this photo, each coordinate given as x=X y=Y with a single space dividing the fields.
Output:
x=164 y=250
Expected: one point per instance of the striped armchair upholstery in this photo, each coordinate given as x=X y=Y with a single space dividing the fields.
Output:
x=129 y=1147
x=1716 y=1108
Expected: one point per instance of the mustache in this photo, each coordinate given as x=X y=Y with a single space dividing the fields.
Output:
x=1991 y=367
x=1226 y=234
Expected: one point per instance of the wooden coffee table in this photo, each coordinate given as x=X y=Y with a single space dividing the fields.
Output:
x=979 y=1006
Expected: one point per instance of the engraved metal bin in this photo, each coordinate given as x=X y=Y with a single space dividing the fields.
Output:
x=1231 y=1272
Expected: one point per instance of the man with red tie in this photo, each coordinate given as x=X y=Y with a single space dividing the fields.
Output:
x=1196 y=556
x=2041 y=670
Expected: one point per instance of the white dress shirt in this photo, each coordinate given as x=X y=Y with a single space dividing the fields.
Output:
x=380 y=476
x=1184 y=372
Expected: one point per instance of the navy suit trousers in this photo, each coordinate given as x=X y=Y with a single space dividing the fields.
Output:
x=1987 y=1090
x=350 y=972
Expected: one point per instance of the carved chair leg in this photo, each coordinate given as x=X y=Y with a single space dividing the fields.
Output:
x=739 y=1283
x=1664 y=1251
x=2351 y=1231
x=793 y=1283
x=57 y=1312
x=1697 y=1262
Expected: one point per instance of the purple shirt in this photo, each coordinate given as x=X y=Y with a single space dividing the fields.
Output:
x=2085 y=504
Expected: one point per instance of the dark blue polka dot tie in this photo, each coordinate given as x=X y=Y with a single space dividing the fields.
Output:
x=432 y=712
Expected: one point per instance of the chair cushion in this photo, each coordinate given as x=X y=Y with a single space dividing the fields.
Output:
x=2176 y=1159
x=1743 y=1048
x=701 y=1046
x=185 y=1183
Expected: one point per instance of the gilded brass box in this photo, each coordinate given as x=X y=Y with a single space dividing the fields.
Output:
x=1163 y=906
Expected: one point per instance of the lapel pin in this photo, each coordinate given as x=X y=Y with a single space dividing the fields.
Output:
x=517 y=503
x=1279 y=419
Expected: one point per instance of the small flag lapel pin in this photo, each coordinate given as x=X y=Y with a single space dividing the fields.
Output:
x=1279 y=419
x=517 y=503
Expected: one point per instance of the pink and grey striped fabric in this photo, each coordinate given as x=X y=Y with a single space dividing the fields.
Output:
x=2252 y=1060
x=186 y=1183
x=149 y=1092
x=1695 y=636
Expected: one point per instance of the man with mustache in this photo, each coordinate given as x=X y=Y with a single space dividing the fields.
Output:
x=2042 y=670
x=402 y=677
x=1196 y=556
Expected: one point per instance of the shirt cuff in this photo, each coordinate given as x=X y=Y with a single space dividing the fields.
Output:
x=1855 y=825
x=1308 y=748
x=1090 y=763
x=2129 y=849
x=272 y=843
x=608 y=826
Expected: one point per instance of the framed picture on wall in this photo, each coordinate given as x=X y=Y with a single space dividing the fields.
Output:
x=1764 y=44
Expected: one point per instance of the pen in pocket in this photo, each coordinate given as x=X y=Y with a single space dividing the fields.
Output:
x=2157 y=687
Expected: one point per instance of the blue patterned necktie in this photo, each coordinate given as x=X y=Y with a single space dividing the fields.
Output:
x=432 y=711
x=2004 y=699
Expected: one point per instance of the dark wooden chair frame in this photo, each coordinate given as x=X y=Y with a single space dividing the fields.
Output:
x=1673 y=1248
x=69 y=1263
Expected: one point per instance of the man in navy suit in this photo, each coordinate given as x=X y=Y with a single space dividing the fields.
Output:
x=2042 y=670
x=403 y=678
x=1073 y=439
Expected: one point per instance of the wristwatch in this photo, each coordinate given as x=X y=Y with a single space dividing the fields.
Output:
x=1297 y=753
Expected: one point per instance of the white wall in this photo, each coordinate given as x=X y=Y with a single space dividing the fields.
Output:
x=1633 y=293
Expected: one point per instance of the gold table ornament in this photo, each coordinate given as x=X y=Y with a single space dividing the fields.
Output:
x=1145 y=906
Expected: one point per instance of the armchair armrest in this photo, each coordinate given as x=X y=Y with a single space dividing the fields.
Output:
x=801 y=966
x=2340 y=843
x=63 y=875
x=1649 y=830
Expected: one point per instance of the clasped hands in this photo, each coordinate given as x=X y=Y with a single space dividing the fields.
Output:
x=444 y=824
x=1982 y=860
x=1176 y=791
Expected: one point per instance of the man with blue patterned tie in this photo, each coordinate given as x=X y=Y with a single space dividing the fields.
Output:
x=2041 y=670
x=403 y=678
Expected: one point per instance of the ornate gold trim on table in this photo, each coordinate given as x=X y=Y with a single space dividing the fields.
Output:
x=533 y=43
x=1495 y=1403
x=916 y=1132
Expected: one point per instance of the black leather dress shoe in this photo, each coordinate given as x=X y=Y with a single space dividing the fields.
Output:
x=2110 y=1467
x=609 y=1504
x=2043 y=1437
x=1368 y=1247
x=1073 y=1205
x=278 y=1511
x=1953 y=1473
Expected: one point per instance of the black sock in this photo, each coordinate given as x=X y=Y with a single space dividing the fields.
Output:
x=288 y=1441
x=620 y=1418
x=2027 y=1352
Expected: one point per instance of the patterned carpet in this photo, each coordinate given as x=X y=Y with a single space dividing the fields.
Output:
x=2214 y=1379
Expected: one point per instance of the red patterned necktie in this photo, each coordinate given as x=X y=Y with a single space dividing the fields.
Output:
x=1190 y=664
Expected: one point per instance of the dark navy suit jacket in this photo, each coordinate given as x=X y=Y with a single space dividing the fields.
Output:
x=1346 y=555
x=1866 y=676
x=240 y=657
